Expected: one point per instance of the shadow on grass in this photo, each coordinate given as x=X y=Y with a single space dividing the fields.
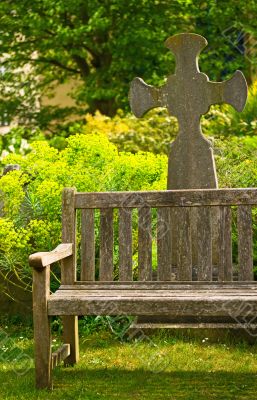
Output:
x=115 y=383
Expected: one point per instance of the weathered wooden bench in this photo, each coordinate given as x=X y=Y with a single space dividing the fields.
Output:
x=99 y=294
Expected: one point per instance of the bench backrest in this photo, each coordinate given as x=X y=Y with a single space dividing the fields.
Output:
x=192 y=207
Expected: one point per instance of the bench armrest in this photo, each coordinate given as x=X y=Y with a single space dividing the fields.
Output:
x=42 y=259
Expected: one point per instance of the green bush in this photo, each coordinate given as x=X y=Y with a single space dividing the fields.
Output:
x=32 y=196
x=236 y=161
x=153 y=132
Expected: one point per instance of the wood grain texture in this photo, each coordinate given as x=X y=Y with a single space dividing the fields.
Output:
x=167 y=198
x=225 y=270
x=245 y=242
x=68 y=276
x=157 y=293
x=87 y=245
x=43 y=259
x=197 y=303
x=42 y=331
x=171 y=286
x=204 y=244
x=164 y=252
x=196 y=325
x=71 y=336
x=184 y=252
x=60 y=355
x=69 y=235
x=144 y=244
x=106 y=245
x=125 y=244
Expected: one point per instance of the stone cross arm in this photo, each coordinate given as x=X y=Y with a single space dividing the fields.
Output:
x=144 y=97
x=188 y=93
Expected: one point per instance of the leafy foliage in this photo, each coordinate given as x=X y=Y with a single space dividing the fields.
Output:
x=152 y=133
x=32 y=196
x=103 y=45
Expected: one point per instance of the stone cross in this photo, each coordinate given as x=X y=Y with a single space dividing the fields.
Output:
x=188 y=94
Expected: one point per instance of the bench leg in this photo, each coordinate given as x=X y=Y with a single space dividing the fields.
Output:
x=71 y=336
x=42 y=330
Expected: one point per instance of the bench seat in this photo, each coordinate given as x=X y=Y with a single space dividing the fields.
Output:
x=193 y=298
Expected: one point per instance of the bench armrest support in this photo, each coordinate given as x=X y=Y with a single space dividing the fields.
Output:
x=40 y=260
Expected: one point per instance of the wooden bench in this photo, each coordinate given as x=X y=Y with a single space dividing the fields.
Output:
x=95 y=292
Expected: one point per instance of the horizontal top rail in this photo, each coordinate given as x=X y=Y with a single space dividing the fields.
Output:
x=167 y=198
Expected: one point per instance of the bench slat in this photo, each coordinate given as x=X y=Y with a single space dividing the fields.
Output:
x=69 y=273
x=197 y=325
x=158 y=293
x=164 y=255
x=174 y=285
x=60 y=355
x=106 y=244
x=184 y=253
x=125 y=244
x=87 y=245
x=245 y=242
x=68 y=266
x=167 y=198
x=144 y=244
x=216 y=304
x=225 y=271
x=204 y=244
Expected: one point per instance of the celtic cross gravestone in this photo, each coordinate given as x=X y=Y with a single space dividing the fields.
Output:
x=187 y=95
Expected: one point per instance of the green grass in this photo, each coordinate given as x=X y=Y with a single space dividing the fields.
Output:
x=164 y=367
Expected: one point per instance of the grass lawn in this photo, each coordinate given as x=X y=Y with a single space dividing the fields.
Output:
x=164 y=367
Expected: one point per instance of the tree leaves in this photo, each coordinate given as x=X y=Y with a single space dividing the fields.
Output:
x=105 y=44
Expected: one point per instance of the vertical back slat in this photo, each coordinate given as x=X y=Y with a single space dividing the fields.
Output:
x=204 y=244
x=106 y=244
x=87 y=245
x=164 y=255
x=245 y=243
x=68 y=269
x=184 y=260
x=144 y=244
x=225 y=267
x=68 y=275
x=174 y=222
x=125 y=244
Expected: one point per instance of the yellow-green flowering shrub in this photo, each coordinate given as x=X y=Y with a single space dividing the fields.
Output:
x=236 y=161
x=13 y=192
x=10 y=237
x=13 y=249
x=153 y=132
x=32 y=196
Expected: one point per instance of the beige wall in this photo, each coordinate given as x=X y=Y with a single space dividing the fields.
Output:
x=61 y=95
